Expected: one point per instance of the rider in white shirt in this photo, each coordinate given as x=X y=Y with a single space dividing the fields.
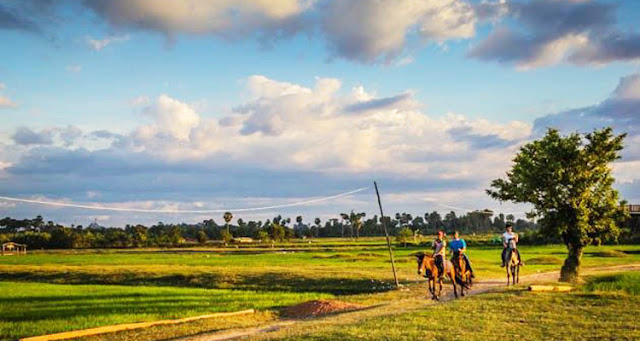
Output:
x=509 y=241
x=439 y=248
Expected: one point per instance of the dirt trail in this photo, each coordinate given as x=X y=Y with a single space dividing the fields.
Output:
x=413 y=298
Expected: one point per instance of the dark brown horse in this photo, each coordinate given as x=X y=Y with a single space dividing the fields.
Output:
x=463 y=275
x=427 y=265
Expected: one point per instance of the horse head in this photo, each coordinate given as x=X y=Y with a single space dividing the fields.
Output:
x=421 y=263
x=424 y=264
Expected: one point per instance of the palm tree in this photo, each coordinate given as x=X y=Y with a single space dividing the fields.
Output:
x=227 y=219
x=317 y=221
x=354 y=220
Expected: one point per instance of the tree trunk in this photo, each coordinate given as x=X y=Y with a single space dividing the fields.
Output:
x=569 y=271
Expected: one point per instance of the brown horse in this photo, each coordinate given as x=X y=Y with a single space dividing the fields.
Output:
x=427 y=265
x=513 y=267
x=463 y=275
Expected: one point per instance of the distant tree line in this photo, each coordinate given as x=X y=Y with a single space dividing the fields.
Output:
x=38 y=233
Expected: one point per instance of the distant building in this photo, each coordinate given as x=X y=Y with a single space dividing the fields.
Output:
x=634 y=220
x=242 y=240
x=11 y=248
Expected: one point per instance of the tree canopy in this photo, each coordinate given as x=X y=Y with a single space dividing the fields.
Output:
x=568 y=181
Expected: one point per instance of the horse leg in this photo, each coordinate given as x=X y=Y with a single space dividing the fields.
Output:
x=432 y=288
x=430 y=282
x=508 y=274
x=518 y=274
x=453 y=281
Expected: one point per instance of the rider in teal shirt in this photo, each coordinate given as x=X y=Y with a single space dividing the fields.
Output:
x=458 y=247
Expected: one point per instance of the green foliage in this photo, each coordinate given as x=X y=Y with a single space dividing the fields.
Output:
x=226 y=236
x=404 y=236
x=568 y=181
x=202 y=237
x=277 y=232
x=354 y=221
x=262 y=236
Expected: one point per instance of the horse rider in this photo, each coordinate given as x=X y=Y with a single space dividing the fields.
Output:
x=439 y=248
x=509 y=242
x=458 y=247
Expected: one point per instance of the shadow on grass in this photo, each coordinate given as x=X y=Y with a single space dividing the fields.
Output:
x=271 y=281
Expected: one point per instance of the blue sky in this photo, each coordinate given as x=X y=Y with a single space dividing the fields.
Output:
x=240 y=103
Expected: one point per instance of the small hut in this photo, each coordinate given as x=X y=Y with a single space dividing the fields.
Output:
x=12 y=248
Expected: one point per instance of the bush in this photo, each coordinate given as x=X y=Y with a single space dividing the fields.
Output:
x=226 y=236
x=404 y=236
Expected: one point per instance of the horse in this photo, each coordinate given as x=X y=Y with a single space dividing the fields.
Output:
x=428 y=266
x=513 y=265
x=463 y=275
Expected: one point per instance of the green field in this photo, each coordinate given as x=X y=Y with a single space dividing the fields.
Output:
x=38 y=308
x=337 y=271
x=606 y=308
x=119 y=286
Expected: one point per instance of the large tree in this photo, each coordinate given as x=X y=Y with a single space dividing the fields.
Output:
x=568 y=181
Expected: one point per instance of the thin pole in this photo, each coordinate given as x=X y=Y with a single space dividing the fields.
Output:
x=393 y=266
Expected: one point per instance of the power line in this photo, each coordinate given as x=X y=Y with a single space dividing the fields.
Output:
x=125 y=209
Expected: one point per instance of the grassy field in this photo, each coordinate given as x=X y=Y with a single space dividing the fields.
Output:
x=37 y=308
x=606 y=308
x=156 y=284
x=339 y=272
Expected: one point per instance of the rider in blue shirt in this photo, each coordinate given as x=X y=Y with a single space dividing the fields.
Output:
x=458 y=247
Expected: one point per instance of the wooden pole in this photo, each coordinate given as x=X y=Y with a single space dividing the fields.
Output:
x=384 y=225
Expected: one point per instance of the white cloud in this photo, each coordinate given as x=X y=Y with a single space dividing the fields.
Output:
x=221 y=17
x=547 y=32
x=285 y=140
x=171 y=117
x=318 y=129
x=361 y=30
x=368 y=30
x=99 y=44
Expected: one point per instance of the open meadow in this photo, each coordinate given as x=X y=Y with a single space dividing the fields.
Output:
x=53 y=291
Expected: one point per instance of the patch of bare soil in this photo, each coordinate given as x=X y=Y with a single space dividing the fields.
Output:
x=319 y=308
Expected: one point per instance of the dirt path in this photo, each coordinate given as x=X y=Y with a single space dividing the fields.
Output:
x=412 y=297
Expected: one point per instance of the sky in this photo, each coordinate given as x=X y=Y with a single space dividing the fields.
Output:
x=211 y=105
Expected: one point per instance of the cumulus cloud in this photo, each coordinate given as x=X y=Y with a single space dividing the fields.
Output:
x=548 y=32
x=620 y=110
x=318 y=129
x=224 y=18
x=66 y=136
x=99 y=44
x=171 y=117
x=360 y=30
x=292 y=134
x=26 y=136
x=369 y=30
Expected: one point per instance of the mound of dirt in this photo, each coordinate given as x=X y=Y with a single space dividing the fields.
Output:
x=319 y=308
